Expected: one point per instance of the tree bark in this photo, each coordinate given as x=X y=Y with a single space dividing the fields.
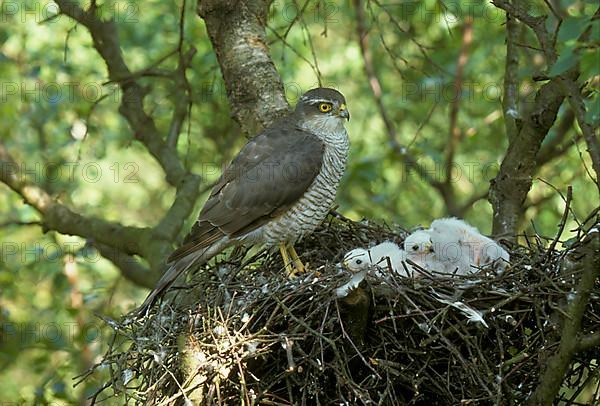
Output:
x=511 y=186
x=254 y=87
x=509 y=189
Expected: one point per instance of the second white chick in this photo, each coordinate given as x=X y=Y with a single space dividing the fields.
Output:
x=384 y=255
x=419 y=249
x=464 y=247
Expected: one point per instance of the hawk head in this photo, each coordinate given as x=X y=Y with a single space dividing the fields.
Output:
x=418 y=243
x=322 y=109
x=357 y=260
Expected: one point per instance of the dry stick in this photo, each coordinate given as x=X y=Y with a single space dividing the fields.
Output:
x=397 y=347
x=345 y=334
x=562 y=196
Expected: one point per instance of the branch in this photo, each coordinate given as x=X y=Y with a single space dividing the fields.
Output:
x=445 y=189
x=183 y=204
x=130 y=268
x=254 y=87
x=588 y=342
x=56 y=216
x=563 y=221
x=106 y=41
x=536 y=23
x=182 y=98
x=510 y=187
x=568 y=81
x=575 y=98
x=576 y=101
x=554 y=148
x=511 y=74
x=556 y=366
x=455 y=133
x=377 y=93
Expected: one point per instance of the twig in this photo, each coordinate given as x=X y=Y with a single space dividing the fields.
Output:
x=454 y=131
x=183 y=90
x=563 y=221
x=377 y=93
x=558 y=363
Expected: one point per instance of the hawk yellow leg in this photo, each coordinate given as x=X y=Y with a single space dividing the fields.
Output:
x=286 y=259
x=300 y=268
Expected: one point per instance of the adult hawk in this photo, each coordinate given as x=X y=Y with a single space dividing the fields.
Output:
x=278 y=188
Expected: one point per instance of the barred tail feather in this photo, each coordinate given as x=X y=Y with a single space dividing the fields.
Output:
x=180 y=267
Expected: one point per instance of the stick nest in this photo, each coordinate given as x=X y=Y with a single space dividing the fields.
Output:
x=242 y=332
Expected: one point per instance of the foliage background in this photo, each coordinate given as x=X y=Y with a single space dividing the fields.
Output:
x=54 y=84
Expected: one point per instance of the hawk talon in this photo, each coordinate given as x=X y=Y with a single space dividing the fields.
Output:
x=286 y=259
x=300 y=268
x=290 y=257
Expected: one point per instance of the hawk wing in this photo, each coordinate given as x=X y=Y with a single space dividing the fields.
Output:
x=269 y=175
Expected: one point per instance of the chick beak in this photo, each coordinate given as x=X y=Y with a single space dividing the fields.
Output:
x=429 y=247
x=343 y=112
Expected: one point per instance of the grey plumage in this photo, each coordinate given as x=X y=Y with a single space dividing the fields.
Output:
x=278 y=188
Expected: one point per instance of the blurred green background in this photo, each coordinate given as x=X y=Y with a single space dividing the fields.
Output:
x=54 y=89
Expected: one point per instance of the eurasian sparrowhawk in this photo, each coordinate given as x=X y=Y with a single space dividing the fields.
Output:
x=278 y=188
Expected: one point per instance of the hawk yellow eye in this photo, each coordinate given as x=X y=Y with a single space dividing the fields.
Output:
x=325 y=107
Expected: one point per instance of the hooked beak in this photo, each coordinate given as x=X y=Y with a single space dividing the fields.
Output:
x=429 y=247
x=343 y=112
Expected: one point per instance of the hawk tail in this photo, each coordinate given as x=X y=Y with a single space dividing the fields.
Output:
x=177 y=268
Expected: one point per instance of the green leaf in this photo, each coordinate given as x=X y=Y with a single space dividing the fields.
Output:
x=595 y=32
x=572 y=27
x=566 y=61
x=590 y=64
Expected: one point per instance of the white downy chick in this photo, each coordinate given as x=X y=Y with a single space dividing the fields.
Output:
x=419 y=249
x=492 y=254
x=384 y=255
x=463 y=248
x=454 y=245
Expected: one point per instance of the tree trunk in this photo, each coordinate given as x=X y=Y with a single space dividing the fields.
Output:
x=254 y=87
